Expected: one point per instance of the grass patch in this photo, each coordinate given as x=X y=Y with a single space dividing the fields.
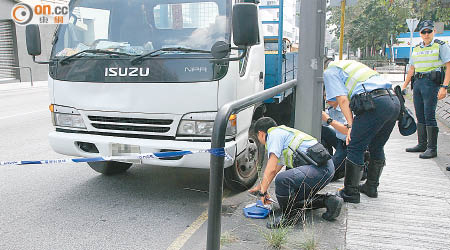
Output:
x=276 y=238
x=227 y=238
x=309 y=244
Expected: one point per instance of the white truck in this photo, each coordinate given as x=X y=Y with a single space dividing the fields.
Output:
x=144 y=76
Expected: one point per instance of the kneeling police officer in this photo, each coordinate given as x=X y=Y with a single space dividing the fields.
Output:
x=297 y=187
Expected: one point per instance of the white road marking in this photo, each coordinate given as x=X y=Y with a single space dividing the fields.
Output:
x=179 y=242
x=184 y=237
x=32 y=112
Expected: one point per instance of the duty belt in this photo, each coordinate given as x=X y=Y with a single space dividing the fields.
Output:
x=381 y=92
x=423 y=75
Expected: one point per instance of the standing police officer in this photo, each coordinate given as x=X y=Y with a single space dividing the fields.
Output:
x=426 y=61
x=296 y=188
x=361 y=90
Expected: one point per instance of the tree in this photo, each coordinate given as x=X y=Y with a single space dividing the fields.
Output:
x=370 y=24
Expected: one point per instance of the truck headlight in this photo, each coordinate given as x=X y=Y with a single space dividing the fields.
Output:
x=201 y=124
x=66 y=117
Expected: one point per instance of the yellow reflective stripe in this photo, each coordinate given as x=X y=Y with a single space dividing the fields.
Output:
x=352 y=81
x=299 y=138
x=426 y=59
x=358 y=73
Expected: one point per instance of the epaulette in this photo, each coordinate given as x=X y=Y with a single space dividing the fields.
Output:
x=439 y=41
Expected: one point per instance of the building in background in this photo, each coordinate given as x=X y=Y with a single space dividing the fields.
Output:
x=290 y=19
x=14 y=59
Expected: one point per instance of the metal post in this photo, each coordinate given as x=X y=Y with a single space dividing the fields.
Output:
x=217 y=162
x=309 y=95
x=341 y=39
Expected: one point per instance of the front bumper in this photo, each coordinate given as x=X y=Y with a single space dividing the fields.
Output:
x=66 y=143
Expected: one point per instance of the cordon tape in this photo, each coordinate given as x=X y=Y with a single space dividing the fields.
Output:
x=215 y=151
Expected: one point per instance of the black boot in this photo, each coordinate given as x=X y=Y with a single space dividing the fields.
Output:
x=431 y=151
x=373 y=178
x=353 y=174
x=331 y=202
x=421 y=138
x=287 y=215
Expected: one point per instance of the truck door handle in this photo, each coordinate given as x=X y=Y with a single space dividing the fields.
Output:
x=261 y=76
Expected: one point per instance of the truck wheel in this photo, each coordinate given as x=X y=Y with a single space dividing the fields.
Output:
x=110 y=167
x=244 y=171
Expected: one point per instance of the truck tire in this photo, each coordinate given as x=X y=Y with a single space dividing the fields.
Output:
x=110 y=167
x=244 y=172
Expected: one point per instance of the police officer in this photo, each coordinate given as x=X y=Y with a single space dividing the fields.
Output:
x=297 y=187
x=362 y=90
x=426 y=61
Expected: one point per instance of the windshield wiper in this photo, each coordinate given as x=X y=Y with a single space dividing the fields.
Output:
x=93 y=51
x=162 y=50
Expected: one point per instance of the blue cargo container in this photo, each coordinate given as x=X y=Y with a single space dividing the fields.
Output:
x=401 y=48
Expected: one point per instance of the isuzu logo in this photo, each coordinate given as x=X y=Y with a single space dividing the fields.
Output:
x=132 y=72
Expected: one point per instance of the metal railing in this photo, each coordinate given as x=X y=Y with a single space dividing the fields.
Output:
x=20 y=67
x=217 y=162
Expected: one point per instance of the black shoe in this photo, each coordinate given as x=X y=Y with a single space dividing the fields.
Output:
x=333 y=204
x=431 y=151
x=370 y=187
x=353 y=174
x=421 y=138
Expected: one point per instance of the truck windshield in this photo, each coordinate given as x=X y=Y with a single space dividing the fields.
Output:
x=138 y=27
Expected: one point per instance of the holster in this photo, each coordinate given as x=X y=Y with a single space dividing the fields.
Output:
x=316 y=155
x=362 y=103
x=437 y=77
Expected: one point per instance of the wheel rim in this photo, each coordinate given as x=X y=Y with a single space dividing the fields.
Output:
x=246 y=165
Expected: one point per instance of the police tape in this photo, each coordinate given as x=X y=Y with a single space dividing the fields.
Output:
x=214 y=151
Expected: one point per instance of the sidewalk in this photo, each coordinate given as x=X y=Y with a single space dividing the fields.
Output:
x=411 y=212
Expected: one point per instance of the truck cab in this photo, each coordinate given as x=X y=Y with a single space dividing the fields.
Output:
x=138 y=76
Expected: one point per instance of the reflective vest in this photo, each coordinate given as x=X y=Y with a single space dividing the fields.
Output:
x=299 y=137
x=426 y=59
x=357 y=73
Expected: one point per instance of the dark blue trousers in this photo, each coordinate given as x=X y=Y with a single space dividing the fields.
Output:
x=339 y=154
x=303 y=182
x=425 y=100
x=372 y=129
x=340 y=149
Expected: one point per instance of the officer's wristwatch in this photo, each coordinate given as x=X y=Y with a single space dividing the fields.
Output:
x=444 y=86
x=348 y=125
x=329 y=120
x=259 y=194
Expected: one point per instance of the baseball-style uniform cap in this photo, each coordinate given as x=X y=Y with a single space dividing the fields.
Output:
x=426 y=24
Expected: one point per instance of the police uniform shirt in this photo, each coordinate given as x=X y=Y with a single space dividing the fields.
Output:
x=335 y=78
x=444 y=52
x=279 y=139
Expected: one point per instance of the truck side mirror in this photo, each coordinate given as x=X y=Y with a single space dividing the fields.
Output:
x=245 y=24
x=33 y=38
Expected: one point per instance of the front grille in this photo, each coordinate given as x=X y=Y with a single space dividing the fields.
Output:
x=140 y=125
x=130 y=120
x=137 y=136
x=131 y=128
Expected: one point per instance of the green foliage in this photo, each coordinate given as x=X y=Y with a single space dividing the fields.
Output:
x=310 y=244
x=276 y=238
x=370 y=24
